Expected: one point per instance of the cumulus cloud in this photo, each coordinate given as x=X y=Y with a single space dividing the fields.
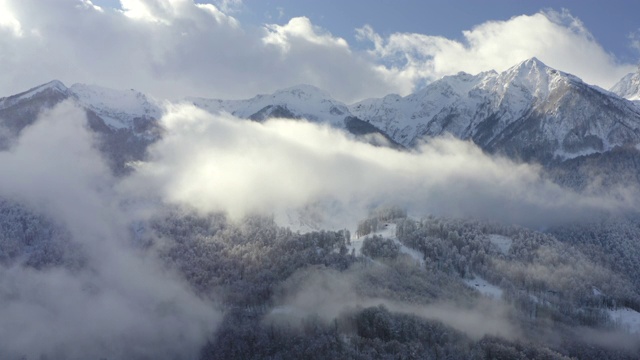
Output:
x=121 y=305
x=8 y=22
x=300 y=28
x=557 y=38
x=178 y=48
x=218 y=163
x=174 y=48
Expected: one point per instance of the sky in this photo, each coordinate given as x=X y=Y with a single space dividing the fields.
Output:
x=353 y=49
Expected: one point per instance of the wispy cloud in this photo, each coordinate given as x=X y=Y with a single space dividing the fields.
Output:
x=557 y=38
x=221 y=163
x=121 y=304
x=177 y=48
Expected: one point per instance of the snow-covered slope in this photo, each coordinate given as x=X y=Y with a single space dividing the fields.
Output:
x=302 y=101
x=405 y=119
x=54 y=87
x=529 y=111
x=126 y=121
x=629 y=86
x=21 y=110
x=118 y=108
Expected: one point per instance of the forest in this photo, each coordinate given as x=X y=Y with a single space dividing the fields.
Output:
x=325 y=294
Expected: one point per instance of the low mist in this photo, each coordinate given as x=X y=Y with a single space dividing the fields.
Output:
x=121 y=304
x=221 y=163
x=327 y=294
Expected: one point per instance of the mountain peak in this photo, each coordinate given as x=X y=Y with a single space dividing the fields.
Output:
x=629 y=86
x=52 y=87
x=55 y=85
x=536 y=76
x=304 y=91
x=534 y=61
x=531 y=64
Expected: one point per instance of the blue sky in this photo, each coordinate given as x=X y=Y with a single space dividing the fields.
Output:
x=610 y=21
x=353 y=49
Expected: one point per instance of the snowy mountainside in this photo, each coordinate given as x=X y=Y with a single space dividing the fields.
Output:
x=302 y=101
x=117 y=108
x=126 y=121
x=299 y=102
x=50 y=88
x=629 y=86
x=21 y=110
x=405 y=118
x=530 y=112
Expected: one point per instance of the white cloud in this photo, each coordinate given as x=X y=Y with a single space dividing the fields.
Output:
x=220 y=163
x=328 y=294
x=300 y=28
x=179 y=48
x=557 y=38
x=8 y=20
x=176 y=48
x=121 y=305
x=634 y=40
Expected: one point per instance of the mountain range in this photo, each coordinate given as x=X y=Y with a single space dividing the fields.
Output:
x=122 y=274
x=530 y=112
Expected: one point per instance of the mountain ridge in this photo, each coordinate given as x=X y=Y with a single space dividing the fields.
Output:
x=628 y=87
x=529 y=112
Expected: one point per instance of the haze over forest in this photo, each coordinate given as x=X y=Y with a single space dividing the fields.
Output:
x=275 y=191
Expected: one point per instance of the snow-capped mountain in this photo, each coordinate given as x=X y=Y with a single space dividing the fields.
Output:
x=302 y=101
x=529 y=111
x=298 y=102
x=125 y=120
x=629 y=86
x=118 y=108
x=21 y=110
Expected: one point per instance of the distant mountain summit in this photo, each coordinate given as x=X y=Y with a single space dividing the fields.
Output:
x=629 y=86
x=530 y=112
x=126 y=121
x=301 y=101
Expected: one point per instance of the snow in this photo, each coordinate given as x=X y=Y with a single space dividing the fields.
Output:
x=628 y=87
x=117 y=107
x=484 y=287
x=627 y=318
x=596 y=291
x=405 y=118
x=54 y=85
x=387 y=231
x=460 y=103
x=357 y=245
x=304 y=101
x=503 y=243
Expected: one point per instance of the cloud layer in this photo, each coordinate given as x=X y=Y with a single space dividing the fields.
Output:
x=221 y=163
x=328 y=294
x=120 y=305
x=177 y=48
